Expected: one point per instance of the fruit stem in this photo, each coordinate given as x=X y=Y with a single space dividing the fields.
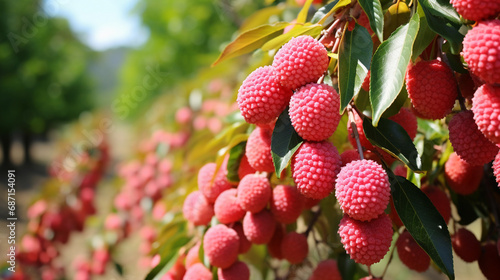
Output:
x=335 y=24
x=355 y=132
x=313 y=221
x=389 y=261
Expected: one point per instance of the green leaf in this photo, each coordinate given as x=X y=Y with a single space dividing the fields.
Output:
x=389 y=67
x=302 y=16
x=425 y=35
x=284 y=142
x=306 y=29
x=442 y=9
x=261 y=17
x=233 y=164
x=455 y=62
x=392 y=138
x=424 y=222
x=322 y=16
x=349 y=270
x=398 y=103
x=355 y=55
x=251 y=40
x=373 y=9
x=118 y=267
x=398 y=14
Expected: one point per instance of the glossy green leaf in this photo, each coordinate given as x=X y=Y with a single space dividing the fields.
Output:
x=394 y=139
x=355 y=55
x=302 y=16
x=389 y=67
x=233 y=164
x=425 y=35
x=251 y=40
x=349 y=270
x=455 y=62
x=397 y=15
x=284 y=142
x=397 y=104
x=373 y=9
x=443 y=9
x=306 y=29
x=323 y=15
x=424 y=222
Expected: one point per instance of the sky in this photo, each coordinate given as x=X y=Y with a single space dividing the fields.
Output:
x=101 y=24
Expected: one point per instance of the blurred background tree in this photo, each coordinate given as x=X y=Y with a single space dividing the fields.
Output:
x=43 y=79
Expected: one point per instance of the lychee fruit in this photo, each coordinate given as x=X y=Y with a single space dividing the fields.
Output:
x=432 y=88
x=366 y=242
x=476 y=10
x=212 y=184
x=496 y=168
x=489 y=260
x=393 y=214
x=274 y=245
x=221 y=245
x=481 y=50
x=486 y=109
x=261 y=98
x=407 y=120
x=440 y=200
x=366 y=82
x=197 y=209
x=226 y=207
x=258 y=150
x=301 y=61
x=348 y=156
x=286 y=204
x=245 y=244
x=401 y=170
x=467 y=140
x=294 y=247
x=466 y=245
x=254 y=192
x=198 y=272
x=245 y=168
x=314 y=111
x=237 y=271
x=462 y=177
x=363 y=189
x=326 y=270
x=192 y=256
x=315 y=166
x=411 y=254
x=259 y=227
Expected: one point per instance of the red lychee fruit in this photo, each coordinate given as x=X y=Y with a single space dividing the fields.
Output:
x=274 y=245
x=462 y=177
x=212 y=187
x=301 y=61
x=226 y=207
x=496 y=168
x=198 y=272
x=363 y=189
x=193 y=256
x=468 y=142
x=394 y=215
x=245 y=168
x=259 y=227
x=314 y=111
x=466 y=245
x=261 y=98
x=326 y=270
x=286 y=204
x=432 y=88
x=366 y=242
x=258 y=150
x=411 y=254
x=237 y=271
x=348 y=156
x=440 y=200
x=476 y=10
x=407 y=120
x=366 y=82
x=401 y=170
x=359 y=127
x=197 y=209
x=315 y=166
x=486 y=109
x=481 y=50
x=245 y=244
x=254 y=192
x=221 y=245
x=489 y=260
x=467 y=85
x=294 y=247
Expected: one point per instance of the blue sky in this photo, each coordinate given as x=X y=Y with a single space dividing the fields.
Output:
x=101 y=24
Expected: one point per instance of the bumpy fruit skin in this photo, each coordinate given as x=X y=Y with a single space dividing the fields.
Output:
x=314 y=168
x=326 y=270
x=363 y=189
x=258 y=150
x=259 y=227
x=496 y=168
x=274 y=245
x=245 y=168
x=286 y=204
x=411 y=254
x=476 y=10
x=432 y=88
x=489 y=260
x=198 y=272
x=407 y=120
x=462 y=177
x=294 y=247
x=314 y=111
x=440 y=200
x=468 y=141
x=362 y=138
x=366 y=242
x=466 y=245
x=261 y=98
x=197 y=209
x=237 y=271
x=221 y=245
x=301 y=61
x=254 y=192
x=226 y=207
x=348 y=156
x=212 y=187
x=192 y=256
x=245 y=244
x=486 y=109
x=481 y=50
